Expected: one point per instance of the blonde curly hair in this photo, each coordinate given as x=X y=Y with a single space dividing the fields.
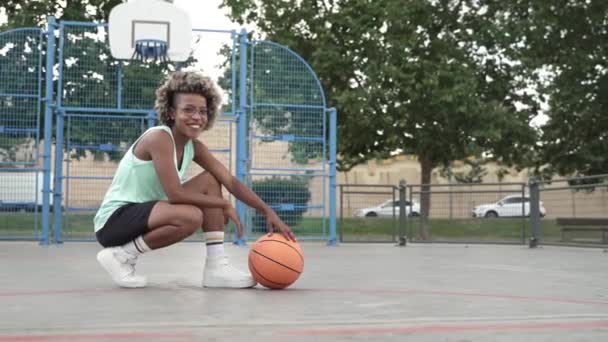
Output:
x=187 y=82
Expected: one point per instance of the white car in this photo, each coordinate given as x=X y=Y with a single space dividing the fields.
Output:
x=388 y=208
x=509 y=206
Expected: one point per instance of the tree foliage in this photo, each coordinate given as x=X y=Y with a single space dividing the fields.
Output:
x=429 y=78
x=34 y=13
x=566 y=42
x=90 y=76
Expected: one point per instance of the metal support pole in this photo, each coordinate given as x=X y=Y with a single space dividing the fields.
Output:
x=333 y=137
x=48 y=127
x=341 y=213
x=58 y=181
x=241 y=140
x=534 y=211
x=402 y=214
x=151 y=119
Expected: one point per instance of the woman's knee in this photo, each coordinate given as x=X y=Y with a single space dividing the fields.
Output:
x=192 y=219
x=186 y=218
x=214 y=187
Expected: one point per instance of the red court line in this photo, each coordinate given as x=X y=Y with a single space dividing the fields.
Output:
x=470 y=294
x=88 y=337
x=368 y=291
x=52 y=292
x=437 y=328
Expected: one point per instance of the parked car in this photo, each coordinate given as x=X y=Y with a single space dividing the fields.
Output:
x=509 y=206
x=21 y=191
x=388 y=208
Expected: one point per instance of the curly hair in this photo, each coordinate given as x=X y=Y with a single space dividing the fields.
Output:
x=187 y=82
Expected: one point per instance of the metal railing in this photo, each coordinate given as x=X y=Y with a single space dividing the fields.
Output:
x=501 y=213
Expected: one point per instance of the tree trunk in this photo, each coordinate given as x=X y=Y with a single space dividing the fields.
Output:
x=425 y=197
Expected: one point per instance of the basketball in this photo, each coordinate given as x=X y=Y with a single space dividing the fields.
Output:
x=276 y=262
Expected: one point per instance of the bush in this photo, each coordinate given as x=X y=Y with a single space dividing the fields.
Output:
x=288 y=197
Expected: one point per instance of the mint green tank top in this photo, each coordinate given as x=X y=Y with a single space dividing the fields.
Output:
x=136 y=181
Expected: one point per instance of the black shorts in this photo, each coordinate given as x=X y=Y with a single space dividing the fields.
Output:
x=125 y=224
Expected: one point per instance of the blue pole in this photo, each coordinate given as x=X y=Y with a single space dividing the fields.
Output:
x=241 y=143
x=48 y=124
x=333 y=141
x=119 y=86
x=58 y=195
x=233 y=74
x=151 y=119
x=57 y=187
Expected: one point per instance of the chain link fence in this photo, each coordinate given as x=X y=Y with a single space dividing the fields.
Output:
x=572 y=211
x=576 y=211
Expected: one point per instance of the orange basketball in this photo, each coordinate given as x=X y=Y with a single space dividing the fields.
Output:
x=276 y=262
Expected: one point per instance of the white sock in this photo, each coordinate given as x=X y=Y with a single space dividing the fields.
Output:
x=215 y=243
x=137 y=246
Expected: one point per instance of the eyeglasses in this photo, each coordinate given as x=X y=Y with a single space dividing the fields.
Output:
x=191 y=111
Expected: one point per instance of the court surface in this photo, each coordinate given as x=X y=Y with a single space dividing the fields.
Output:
x=354 y=292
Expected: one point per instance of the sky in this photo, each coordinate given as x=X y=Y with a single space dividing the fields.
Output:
x=207 y=15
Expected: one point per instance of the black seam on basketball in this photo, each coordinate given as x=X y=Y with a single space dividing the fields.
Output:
x=276 y=262
x=260 y=274
x=290 y=246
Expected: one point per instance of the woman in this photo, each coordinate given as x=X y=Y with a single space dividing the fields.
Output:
x=148 y=206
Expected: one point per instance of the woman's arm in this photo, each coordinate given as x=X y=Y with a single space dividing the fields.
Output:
x=159 y=146
x=206 y=160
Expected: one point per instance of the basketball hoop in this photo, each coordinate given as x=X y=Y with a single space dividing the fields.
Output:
x=150 y=50
x=149 y=30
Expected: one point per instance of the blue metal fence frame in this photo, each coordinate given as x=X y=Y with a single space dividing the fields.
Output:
x=328 y=170
x=238 y=112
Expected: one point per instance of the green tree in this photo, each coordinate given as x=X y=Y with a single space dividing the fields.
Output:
x=280 y=78
x=424 y=77
x=90 y=74
x=474 y=175
x=19 y=67
x=567 y=43
x=28 y=13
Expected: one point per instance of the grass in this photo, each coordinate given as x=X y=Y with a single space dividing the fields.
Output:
x=481 y=229
x=80 y=226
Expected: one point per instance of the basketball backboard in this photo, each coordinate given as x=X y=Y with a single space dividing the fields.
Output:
x=148 y=22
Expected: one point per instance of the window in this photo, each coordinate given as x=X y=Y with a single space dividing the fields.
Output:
x=407 y=204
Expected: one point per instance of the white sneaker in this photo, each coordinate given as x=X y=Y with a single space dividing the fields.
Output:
x=219 y=273
x=121 y=267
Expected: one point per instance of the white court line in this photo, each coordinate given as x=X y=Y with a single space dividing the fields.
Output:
x=80 y=326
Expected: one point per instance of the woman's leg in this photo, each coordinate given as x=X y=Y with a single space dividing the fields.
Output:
x=205 y=183
x=171 y=223
x=162 y=224
x=213 y=225
x=218 y=271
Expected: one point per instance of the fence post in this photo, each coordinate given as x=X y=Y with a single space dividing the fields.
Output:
x=333 y=143
x=341 y=212
x=48 y=127
x=523 y=214
x=534 y=211
x=58 y=182
x=241 y=139
x=402 y=214
x=151 y=119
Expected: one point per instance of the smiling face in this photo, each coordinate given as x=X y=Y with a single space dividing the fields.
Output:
x=189 y=114
x=182 y=95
